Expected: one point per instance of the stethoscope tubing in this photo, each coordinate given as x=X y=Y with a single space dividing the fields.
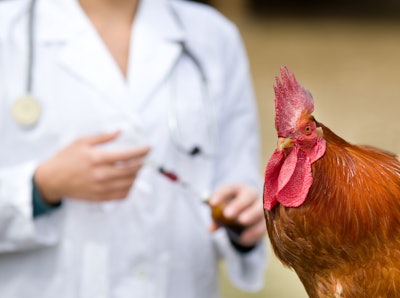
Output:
x=31 y=47
x=207 y=106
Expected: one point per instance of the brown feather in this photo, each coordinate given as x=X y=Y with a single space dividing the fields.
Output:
x=344 y=241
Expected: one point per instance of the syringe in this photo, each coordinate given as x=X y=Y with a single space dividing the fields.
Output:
x=233 y=227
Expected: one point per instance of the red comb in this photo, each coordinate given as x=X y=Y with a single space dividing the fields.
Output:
x=291 y=101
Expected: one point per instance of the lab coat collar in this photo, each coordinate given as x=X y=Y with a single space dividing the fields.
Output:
x=160 y=19
x=157 y=15
x=62 y=15
x=155 y=46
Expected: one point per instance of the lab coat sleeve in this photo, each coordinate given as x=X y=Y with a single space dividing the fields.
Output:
x=238 y=159
x=245 y=270
x=18 y=229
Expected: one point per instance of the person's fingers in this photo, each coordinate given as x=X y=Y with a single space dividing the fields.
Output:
x=116 y=189
x=112 y=157
x=222 y=193
x=213 y=226
x=238 y=204
x=253 y=234
x=244 y=198
x=242 y=204
x=251 y=214
x=100 y=138
x=114 y=172
x=110 y=179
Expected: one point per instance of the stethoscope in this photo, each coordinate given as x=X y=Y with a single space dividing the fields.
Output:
x=26 y=109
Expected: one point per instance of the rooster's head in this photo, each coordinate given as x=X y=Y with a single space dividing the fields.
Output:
x=288 y=175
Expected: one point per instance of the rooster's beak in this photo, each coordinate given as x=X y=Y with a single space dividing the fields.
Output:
x=284 y=143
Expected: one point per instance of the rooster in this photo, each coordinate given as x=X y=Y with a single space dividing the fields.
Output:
x=332 y=208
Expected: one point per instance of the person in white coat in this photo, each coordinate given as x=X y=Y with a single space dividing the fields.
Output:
x=119 y=91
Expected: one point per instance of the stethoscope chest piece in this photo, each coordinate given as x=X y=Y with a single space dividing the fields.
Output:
x=26 y=110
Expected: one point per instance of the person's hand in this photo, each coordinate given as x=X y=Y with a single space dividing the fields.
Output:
x=244 y=204
x=83 y=171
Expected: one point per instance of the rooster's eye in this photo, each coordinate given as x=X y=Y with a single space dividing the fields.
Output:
x=307 y=129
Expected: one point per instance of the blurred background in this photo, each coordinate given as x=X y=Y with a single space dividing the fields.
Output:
x=347 y=53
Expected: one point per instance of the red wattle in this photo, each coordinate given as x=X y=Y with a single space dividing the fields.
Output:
x=271 y=179
x=295 y=191
x=288 y=179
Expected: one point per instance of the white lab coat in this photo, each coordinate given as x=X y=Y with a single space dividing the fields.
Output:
x=155 y=243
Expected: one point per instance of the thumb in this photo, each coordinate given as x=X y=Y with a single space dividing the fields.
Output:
x=213 y=227
x=101 y=138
